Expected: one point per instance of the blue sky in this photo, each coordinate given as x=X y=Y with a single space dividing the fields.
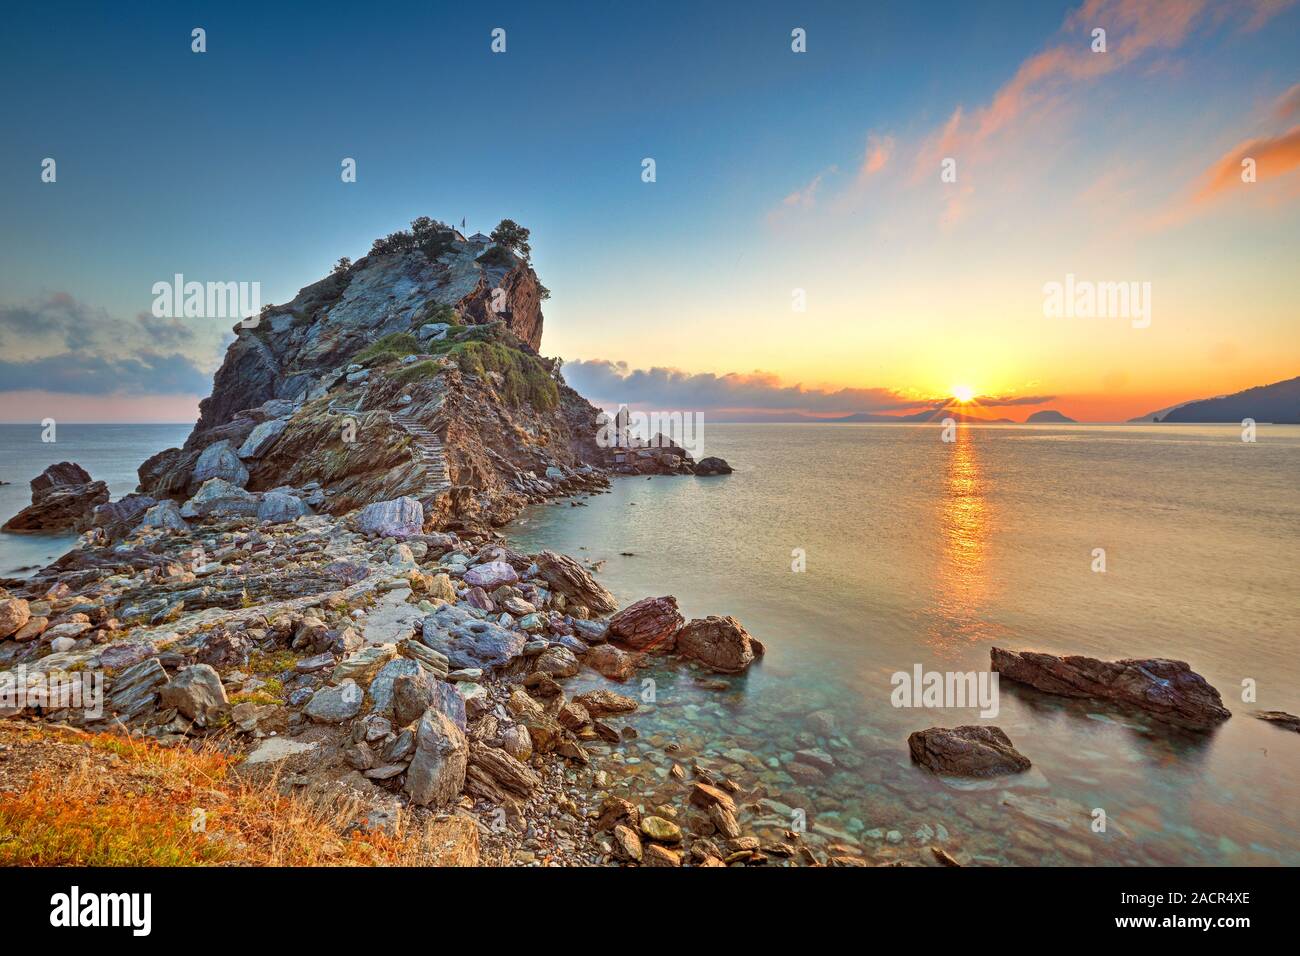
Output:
x=225 y=165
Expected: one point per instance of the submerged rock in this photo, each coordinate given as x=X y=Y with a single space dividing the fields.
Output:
x=1169 y=690
x=967 y=751
x=1280 y=718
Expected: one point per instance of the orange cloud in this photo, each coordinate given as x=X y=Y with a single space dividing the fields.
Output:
x=879 y=149
x=1274 y=157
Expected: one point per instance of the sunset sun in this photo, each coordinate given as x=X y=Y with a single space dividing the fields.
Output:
x=963 y=393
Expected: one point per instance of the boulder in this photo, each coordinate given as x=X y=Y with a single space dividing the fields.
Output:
x=196 y=692
x=567 y=577
x=165 y=514
x=437 y=771
x=399 y=518
x=467 y=641
x=220 y=460
x=650 y=624
x=558 y=662
x=414 y=694
x=967 y=751
x=121 y=517
x=603 y=703
x=1168 y=690
x=261 y=438
x=333 y=705
x=134 y=691
x=719 y=643
x=277 y=507
x=64 y=498
x=611 y=662
x=491 y=575
x=220 y=499
x=14 y=615
x=712 y=466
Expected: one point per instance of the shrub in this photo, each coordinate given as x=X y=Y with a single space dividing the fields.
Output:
x=390 y=348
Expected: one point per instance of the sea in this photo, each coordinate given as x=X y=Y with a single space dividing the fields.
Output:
x=858 y=553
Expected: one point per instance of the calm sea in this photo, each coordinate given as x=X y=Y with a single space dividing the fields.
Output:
x=110 y=453
x=921 y=552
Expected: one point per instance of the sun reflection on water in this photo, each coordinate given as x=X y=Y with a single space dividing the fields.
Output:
x=962 y=582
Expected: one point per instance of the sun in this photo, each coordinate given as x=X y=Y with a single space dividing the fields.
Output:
x=963 y=393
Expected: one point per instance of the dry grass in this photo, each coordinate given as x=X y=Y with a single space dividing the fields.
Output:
x=105 y=800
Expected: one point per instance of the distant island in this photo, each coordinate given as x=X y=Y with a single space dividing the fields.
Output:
x=1049 y=416
x=1278 y=404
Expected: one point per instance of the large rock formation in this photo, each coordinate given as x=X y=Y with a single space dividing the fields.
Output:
x=1169 y=690
x=413 y=372
x=64 y=498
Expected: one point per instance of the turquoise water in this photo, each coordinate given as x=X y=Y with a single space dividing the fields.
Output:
x=110 y=453
x=921 y=552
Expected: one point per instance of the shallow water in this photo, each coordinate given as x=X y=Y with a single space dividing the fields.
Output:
x=111 y=453
x=920 y=552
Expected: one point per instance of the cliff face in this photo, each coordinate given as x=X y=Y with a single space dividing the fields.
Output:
x=402 y=375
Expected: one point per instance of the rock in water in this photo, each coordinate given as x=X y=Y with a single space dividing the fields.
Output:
x=1280 y=718
x=219 y=460
x=399 y=518
x=1169 y=690
x=713 y=466
x=437 y=771
x=610 y=661
x=720 y=643
x=968 y=751
x=650 y=624
x=566 y=576
x=63 y=498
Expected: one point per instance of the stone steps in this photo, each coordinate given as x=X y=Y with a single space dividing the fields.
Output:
x=427 y=452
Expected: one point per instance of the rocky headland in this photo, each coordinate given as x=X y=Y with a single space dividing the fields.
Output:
x=313 y=584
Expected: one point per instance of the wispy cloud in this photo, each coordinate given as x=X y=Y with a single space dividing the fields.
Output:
x=60 y=344
x=612 y=383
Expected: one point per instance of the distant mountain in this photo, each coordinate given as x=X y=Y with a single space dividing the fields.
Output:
x=1049 y=416
x=1278 y=403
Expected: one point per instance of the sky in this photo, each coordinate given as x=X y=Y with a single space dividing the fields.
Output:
x=800 y=249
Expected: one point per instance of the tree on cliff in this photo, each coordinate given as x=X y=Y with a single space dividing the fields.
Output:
x=510 y=235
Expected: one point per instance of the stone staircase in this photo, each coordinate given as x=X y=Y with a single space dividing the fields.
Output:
x=426 y=449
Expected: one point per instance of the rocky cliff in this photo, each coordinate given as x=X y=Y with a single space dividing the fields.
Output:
x=414 y=371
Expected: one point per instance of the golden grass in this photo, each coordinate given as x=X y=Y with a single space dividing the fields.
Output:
x=123 y=802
